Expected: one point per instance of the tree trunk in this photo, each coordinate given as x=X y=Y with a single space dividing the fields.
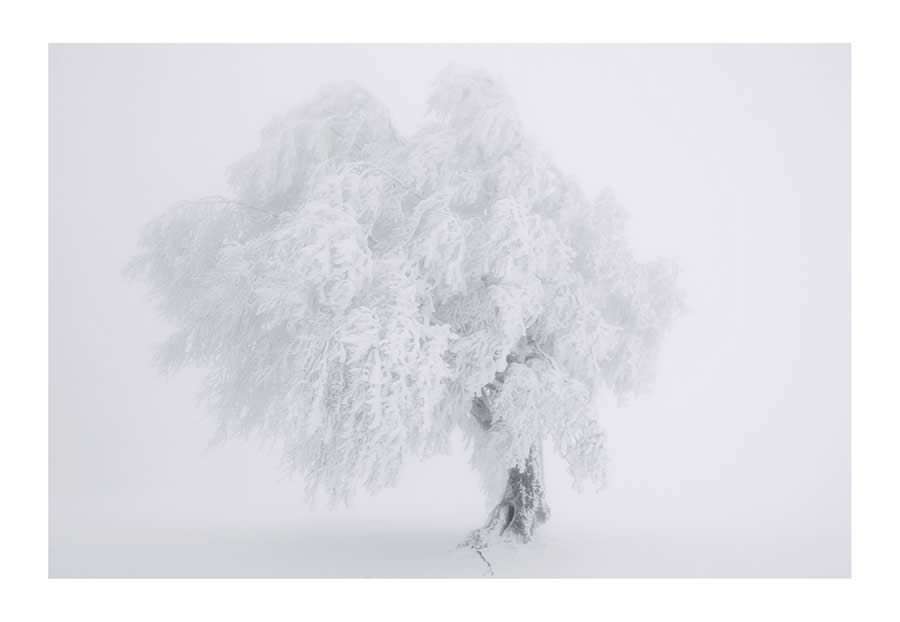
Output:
x=522 y=508
x=525 y=497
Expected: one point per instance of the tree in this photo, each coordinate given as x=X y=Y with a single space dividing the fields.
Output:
x=363 y=294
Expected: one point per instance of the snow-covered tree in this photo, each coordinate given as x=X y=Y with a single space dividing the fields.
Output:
x=364 y=293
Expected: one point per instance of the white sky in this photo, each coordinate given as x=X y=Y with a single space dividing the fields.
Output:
x=734 y=159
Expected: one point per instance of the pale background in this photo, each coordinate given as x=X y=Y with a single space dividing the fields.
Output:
x=734 y=159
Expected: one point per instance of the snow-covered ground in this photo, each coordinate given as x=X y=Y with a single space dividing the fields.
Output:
x=342 y=548
x=265 y=530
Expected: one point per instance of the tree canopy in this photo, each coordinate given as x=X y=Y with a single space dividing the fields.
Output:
x=361 y=288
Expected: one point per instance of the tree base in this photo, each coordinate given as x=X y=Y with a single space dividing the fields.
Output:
x=521 y=510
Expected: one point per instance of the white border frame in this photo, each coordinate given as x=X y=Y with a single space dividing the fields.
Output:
x=876 y=135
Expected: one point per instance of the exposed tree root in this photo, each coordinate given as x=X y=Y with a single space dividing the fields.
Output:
x=484 y=559
x=496 y=528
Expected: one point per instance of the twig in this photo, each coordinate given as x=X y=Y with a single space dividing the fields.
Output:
x=484 y=559
x=397 y=181
x=233 y=203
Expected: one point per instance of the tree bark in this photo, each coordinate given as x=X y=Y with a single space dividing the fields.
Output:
x=522 y=508
x=524 y=498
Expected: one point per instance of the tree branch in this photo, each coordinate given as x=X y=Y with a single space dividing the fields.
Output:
x=399 y=182
x=232 y=203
